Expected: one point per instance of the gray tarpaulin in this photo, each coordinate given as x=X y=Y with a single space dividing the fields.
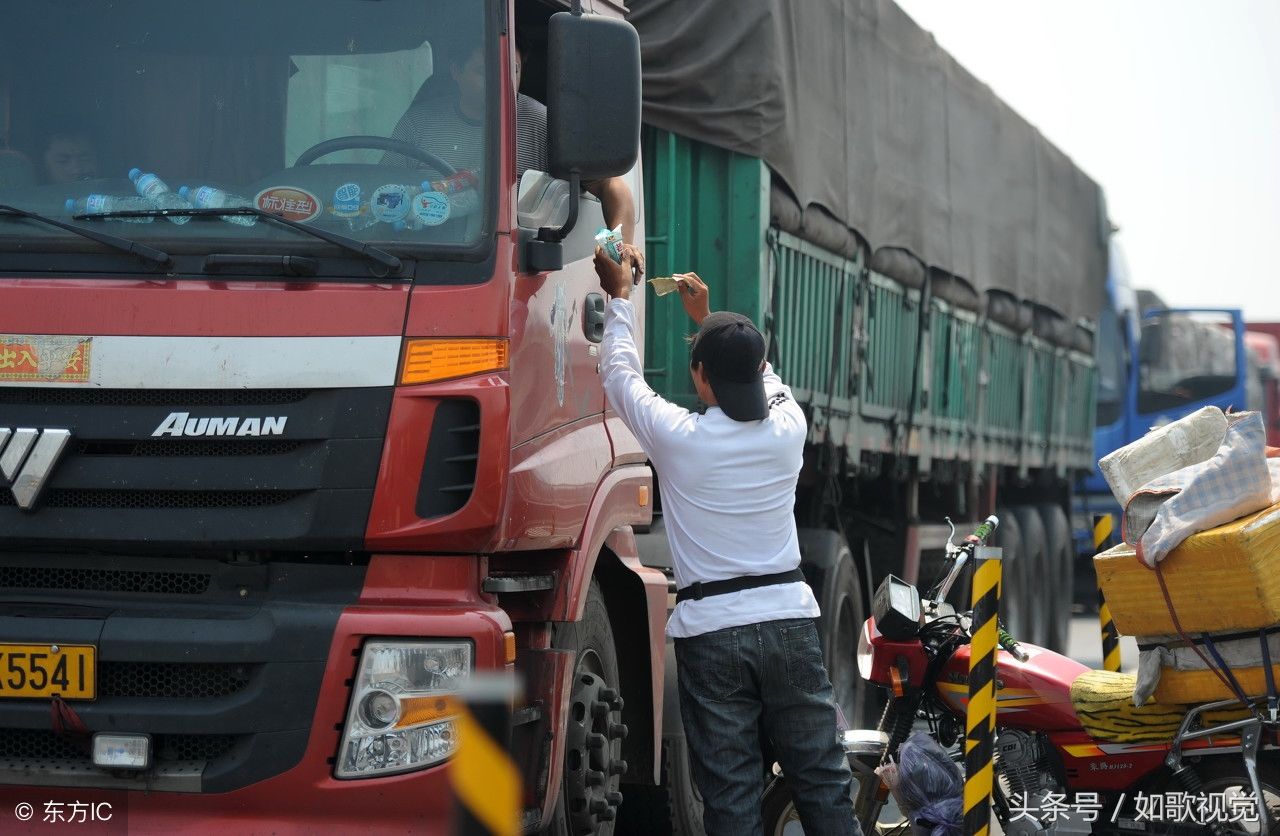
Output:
x=858 y=111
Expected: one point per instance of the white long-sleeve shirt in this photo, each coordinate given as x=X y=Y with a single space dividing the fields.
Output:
x=728 y=488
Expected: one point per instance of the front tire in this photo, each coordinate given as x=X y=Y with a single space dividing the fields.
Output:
x=674 y=806
x=589 y=797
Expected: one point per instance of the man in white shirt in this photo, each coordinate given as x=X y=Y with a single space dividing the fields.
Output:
x=746 y=644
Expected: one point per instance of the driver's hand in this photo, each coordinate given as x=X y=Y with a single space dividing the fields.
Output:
x=636 y=255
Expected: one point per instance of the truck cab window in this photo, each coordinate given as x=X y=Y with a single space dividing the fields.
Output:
x=372 y=120
x=1183 y=359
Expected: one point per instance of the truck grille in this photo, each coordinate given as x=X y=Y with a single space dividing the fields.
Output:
x=269 y=469
x=103 y=580
x=170 y=681
x=27 y=745
x=453 y=450
x=159 y=499
x=184 y=447
x=221 y=661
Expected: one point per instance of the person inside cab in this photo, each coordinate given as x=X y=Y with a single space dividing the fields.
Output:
x=67 y=155
x=446 y=118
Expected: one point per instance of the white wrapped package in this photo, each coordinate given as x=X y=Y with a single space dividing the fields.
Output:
x=1184 y=442
x=1234 y=482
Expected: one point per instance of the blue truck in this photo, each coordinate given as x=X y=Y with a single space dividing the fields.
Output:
x=1156 y=364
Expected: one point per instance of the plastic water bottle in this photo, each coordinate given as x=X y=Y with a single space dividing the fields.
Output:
x=207 y=197
x=154 y=189
x=97 y=204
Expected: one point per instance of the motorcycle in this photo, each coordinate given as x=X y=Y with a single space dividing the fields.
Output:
x=1072 y=754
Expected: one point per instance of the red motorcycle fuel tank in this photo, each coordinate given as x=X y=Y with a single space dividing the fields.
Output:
x=1035 y=694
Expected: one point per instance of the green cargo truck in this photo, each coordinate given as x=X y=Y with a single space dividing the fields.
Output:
x=929 y=288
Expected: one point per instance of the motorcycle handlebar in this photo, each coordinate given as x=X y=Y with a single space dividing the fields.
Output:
x=984 y=529
x=1010 y=644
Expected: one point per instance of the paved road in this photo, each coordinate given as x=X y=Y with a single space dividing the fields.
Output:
x=1086 y=644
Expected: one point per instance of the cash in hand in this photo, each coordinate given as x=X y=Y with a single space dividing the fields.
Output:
x=664 y=285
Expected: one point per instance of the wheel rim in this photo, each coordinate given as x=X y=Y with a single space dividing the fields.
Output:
x=788 y=823
x=1238 y=786
x=592 y=746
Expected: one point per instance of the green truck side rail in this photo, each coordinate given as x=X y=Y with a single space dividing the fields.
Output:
x=882 y=378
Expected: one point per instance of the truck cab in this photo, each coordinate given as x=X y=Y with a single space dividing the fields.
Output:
x=313 y=431
x=1156 y=365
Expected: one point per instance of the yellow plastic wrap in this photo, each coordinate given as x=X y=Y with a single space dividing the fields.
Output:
x=1222 y=580
x=1204 y=686
x=1103 y=701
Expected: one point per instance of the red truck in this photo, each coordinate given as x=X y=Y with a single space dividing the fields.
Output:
x=1263 y=341
x=289 y=453
x=276 y=483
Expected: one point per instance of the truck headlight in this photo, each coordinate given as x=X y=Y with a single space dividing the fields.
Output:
x=404 y=707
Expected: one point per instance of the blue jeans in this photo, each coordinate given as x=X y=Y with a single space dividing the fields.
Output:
x=736 y=682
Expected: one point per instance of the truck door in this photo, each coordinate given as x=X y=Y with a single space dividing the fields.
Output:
x=560 y=446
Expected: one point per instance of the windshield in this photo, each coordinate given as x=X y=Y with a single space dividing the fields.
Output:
x=363 y=118
x=1184 y=359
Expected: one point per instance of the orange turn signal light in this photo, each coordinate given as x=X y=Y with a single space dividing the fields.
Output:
x=897 y=678
x=428 y=360
x=416 y=710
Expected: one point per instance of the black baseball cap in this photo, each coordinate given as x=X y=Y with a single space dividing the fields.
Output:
x=731 y=351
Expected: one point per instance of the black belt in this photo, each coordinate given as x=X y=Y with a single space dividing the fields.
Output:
x=698 y=590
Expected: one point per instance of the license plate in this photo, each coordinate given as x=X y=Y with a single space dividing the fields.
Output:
x=33 y=671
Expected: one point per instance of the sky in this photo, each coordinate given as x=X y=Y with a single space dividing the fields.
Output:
x=1172 y=106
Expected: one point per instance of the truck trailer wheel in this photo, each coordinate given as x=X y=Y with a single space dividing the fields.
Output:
x=1060 y=554
x=589 y=795
x=1035 y=582
x=1013 y=604
x=843 y=614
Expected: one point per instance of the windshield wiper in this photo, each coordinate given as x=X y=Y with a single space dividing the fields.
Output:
x=159 y=258
x=386 y=259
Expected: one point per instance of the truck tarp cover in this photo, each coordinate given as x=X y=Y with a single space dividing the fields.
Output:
x=859 y=111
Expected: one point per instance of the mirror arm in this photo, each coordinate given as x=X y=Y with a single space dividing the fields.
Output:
x=557 y=234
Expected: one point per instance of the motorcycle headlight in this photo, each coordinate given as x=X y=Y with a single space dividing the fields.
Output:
x=864 y=651
x=403 y=713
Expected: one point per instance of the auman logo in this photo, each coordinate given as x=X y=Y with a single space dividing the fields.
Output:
x=182 y=424
x=27 y=457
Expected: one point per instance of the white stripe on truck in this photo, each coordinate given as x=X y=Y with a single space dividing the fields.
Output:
x=206 y=362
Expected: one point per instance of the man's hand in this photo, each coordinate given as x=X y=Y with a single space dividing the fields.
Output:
x=615 y=278
x=637 y=260
x=693 y=293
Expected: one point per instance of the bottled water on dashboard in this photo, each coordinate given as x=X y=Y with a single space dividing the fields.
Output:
x=154 y=189
x=97 y=204
x=207 y=197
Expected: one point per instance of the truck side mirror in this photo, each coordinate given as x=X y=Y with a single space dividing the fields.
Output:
x=593 y=96
x=593 y=114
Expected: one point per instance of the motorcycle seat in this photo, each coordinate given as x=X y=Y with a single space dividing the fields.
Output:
x=1103 y=702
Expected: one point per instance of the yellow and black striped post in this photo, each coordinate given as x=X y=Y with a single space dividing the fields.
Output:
x=486 y=783
x=1102 y=529
x=980 y=718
